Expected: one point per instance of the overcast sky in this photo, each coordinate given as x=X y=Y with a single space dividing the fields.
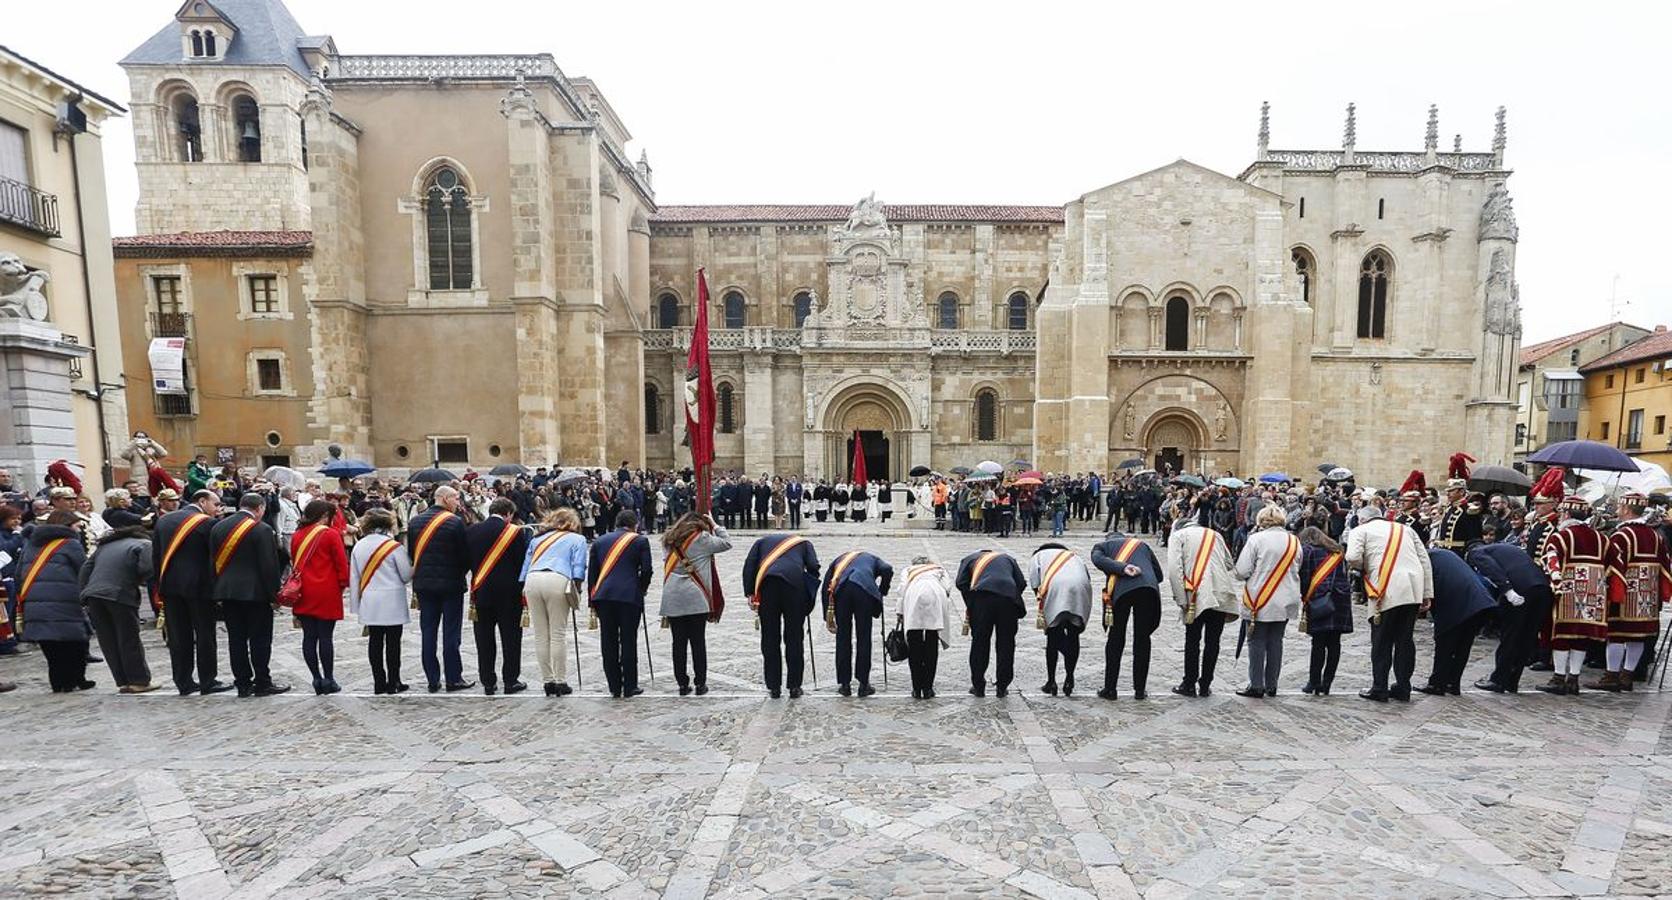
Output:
x=1039 y=102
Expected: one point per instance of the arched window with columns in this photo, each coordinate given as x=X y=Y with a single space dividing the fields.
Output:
x=734 y=309
x=986 y=415
x=1305 y=269
x=1017 y=311
x=1178 y=323
x=184 y=122
x=667 y=311
x=246 y=127
x=946 y=312
x=1375 y=280
x=803 y=307
x=725 y=408
x=448 y=229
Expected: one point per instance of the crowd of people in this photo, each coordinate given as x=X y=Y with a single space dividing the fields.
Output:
x=534 y=550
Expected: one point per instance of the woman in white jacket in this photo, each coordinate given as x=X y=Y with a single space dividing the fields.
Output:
x=926 y=612
x=379 y=571
x=1270 y=564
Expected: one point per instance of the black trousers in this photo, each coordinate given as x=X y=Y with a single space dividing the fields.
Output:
x=618 y=638
x=1143 y=607
x=993 y=619
x=782 y=613
x=1201 y=647
x=1518 y=637
x=922 y=656
x=855 y=610
x=1452 y=649
x=500 y=618
x=383 y=651
x=117 y=628
x=747 y=515
x=1326 y=655
x=319 y=651
x=690 y=635
x=795 y=515
x=190 y=624
x=1061 y=640
x=66 y=663
x=249 y=642
x=1391 y=645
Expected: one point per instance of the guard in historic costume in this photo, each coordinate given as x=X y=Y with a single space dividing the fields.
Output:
x=618 y=572
x=186 y=584
x=1639 y=582
x=991 y=583
x=1460 y=523
x=440 y=563
x=497 y=547
x=854 y=586
x=1131 y=589
x=1062 y=590
x=1542 y=523
x=247 y=571
x=1575 y=558
x=781 y=579
x=1410 y=504
x=1199 y=573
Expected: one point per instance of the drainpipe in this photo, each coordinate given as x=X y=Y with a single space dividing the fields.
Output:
x=1620 y=438
x=92 y=323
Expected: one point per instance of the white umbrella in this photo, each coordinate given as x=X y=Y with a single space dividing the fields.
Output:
x=1599 y=484
x=990 y=467
x=284 y=476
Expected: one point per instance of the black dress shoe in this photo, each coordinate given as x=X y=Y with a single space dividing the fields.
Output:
x=845 y=691
x=1109 y=694
x=270 y=689
x=186 y=690
x=1456 y=690
x=551 y=689
x=774 y=693
x=1185 y=690
x=1310 y=687
x=928 y=695
x=215 y=687
x=632 y=692
x=516 y=687
x=401 y=688
x=978 y=691
x=1068 y=686
x=435 y=688
x=1002 y=692
x=1542 y=666
x=319 y=687
x=866 y=690
x=1049 y=687
x=488 y=690
x=684 y=690
x=1403 y=695
x=332 y=687
x=795 y=693
x=1252 y=693
x=246 y=692
x=1204 y=690
x=380 y=689
x=1139 y=694
x=702 y=689
x=1433 y=690
x=563 y=689
x=1371 y=694
x=460 y=686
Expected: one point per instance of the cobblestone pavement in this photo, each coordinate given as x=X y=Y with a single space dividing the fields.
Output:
x=737 y=795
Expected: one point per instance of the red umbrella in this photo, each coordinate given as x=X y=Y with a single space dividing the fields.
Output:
x=1031 y=473
x=859 y=459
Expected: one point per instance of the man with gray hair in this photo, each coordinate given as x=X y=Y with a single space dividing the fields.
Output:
x=246 y=562
x=440 y=559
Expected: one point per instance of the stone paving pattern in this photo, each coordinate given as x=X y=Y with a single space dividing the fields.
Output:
x=739 y=796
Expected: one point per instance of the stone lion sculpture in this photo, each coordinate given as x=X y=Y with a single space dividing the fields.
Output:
x=20 y=289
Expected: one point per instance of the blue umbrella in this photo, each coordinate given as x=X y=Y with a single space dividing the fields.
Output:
x=1274 y=478
x=1584 y=455
x=347 y=468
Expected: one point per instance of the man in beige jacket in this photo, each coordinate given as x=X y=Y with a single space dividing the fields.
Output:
x=1398 y=583
x=1199 y=573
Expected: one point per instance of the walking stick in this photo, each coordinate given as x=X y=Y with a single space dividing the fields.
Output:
x=649 y=663
x=882 y=629
x=812 y=658
x=575 y=627
x=1660 y=659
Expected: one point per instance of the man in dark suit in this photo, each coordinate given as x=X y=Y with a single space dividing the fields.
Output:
x=186 y=584
x=780 y=576
x=727 y=502
x=440 y=558
x=854 y=586
x=763 y=502
x=792 y=499
x=497 y=547
x=991 y=583
x=247 y=568
x=617 y=595
x=1525 y=599
x=1133 y=590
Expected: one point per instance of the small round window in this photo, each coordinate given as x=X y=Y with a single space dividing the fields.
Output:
x=273 y=438
x=493 y=449
x=447 y=179
x=402 y=451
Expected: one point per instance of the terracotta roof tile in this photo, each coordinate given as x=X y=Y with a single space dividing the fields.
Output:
x=834 y=212
x=1656 y=346
x=1532 y=353
x=215 y=243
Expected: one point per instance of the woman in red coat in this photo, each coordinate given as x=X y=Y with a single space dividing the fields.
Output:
x=317 y=552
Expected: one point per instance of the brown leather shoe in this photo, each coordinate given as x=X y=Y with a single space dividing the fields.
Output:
x=1610 y=682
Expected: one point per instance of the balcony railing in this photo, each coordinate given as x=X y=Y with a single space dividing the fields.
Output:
x=27 y=207
x=171 y=324
x=174 y=405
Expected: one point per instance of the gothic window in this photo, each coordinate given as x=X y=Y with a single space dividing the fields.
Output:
x=947 y=311
x=447 y=220
x=735 y=310
x=187 y=129
x=1374 y=276
x=246 y=124
x=725 y=409
x=1178 y=324
x=986 y=415
x=803 y=307
x=1018 y=310
x=1303 y=273
x=667 y=311
x=652 y=410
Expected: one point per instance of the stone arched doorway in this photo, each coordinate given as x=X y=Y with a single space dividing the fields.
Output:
x=1173 y=442
x=879 y=420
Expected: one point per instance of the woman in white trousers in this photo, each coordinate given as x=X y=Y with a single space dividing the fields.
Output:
x=552 y=574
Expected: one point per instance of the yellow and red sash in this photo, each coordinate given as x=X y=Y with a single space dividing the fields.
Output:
x=981 y=566
x=545 y=543
x=760 y=573
x=1375 y=589
x=495 y=552
x=1063 y=556
x=47 y=550
x=180 y=535
x=915 y=571
x=836 y=572
x=1121 y=556
x=307 y=543
x=677 y=555
x=232 y=541
x=611 y=558
x=1257 y=602
x=382 y=553
x=428 y=532
x=1199 y=567
x=1325 y=568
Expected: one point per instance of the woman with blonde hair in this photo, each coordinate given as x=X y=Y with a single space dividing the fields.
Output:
x=690 y=592
x=552 y=575
x=378 y=578
x=1270 y=564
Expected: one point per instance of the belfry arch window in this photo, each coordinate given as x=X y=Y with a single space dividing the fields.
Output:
x=1017 y=307
x=197 y=42
x=734 y=309
x=667 y=311
x=725 y=408
x=946 y=311
x=986 y=415
x=1178 y=324
x=246 y=125
x=447 y=223
x=209 y=44
x=188 y=128
x=1304 y=269
x=1375 y=277
x=652 y=410
x=803 y=307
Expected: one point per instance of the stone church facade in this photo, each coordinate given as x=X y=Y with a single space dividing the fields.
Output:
x=455 y=258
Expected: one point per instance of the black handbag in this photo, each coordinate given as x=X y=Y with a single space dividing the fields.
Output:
x=895 y=644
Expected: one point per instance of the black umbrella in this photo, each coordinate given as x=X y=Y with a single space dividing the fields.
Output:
x=432 y=476
x=1324 y=468
x=1584 y=455
x=919 y=471
x=514 y=470
x=961 y=470
x=1133 y=463
x=1499 y=480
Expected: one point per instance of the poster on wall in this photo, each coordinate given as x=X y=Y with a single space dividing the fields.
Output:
x=168 y=365
x=226 y=456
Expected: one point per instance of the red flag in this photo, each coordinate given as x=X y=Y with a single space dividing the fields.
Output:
x=859 y=460
x=699 y=398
